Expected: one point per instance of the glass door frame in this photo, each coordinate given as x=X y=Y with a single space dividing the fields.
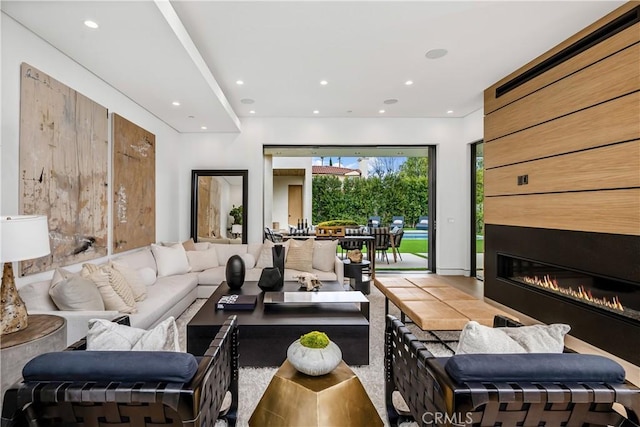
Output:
x=473 y=254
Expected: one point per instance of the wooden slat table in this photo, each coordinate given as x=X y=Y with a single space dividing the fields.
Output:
x=433 y=304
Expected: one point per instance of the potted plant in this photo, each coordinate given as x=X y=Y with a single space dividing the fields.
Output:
x=314 y=354
x=236 y=213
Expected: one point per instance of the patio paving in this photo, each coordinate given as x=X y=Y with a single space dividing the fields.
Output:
x=409 y=261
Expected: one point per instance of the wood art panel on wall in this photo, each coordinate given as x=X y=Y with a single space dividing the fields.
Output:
x=134 y=190
x=63 y=168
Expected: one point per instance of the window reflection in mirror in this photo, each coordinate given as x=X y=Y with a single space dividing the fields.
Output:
x=219 y=206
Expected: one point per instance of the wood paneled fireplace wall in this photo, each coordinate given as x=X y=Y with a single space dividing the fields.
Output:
x=562 y=184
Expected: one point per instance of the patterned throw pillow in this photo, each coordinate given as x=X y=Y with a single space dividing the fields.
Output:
x=116 y=292
x=133 y=278
x=300 y=256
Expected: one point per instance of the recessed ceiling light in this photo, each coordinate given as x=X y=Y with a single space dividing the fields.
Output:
x=436 y=53
x=239 y=82
x=252 y=112
x=203 y=127
x=247 y=101
x=316 y=112
x=381 y=111
x=324 y=82
x=390 y=101
x=91 y=24
x=176 y=103
x=409 y=82
x=450 y=112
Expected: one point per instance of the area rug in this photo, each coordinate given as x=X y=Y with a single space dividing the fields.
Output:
x=254 y=381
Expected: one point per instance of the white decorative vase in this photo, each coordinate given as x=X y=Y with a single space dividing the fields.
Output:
x=314 y=361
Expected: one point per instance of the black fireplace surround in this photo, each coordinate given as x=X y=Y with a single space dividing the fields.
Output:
x=590 y=281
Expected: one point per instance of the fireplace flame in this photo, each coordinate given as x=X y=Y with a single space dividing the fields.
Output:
x=581 y=293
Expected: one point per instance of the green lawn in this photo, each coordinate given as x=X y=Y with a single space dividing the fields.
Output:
x=419 y=246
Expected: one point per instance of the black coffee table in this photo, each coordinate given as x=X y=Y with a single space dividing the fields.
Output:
x=266 y=332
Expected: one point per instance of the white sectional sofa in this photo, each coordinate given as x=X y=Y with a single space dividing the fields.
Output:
x=169 y=294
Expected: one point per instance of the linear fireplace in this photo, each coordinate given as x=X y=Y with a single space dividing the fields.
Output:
x=614 y=296
x=590 y=281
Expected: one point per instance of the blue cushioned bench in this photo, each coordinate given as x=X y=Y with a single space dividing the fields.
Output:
x=561 y=389
x=128 y=388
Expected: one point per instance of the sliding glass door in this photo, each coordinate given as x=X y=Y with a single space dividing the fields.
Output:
x=477 y=210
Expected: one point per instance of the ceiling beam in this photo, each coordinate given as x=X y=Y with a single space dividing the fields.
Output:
x=170 y=15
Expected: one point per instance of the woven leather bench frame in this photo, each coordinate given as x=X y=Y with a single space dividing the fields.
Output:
x=196 y=403
x=428 y=390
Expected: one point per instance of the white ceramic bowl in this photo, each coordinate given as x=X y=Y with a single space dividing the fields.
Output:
x=314 y=361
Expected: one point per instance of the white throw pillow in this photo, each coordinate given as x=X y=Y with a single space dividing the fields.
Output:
x=133 y=279
x=36 y=296
x=202 y=260
x=249 y=260
x=476 y=338
x=109 y=336
x=171 y=260
x=265 y=259
x=74 y=293
x=540 y=338
x=147 y=275
x=201 y=246
x=225 y=251
x=324 y=254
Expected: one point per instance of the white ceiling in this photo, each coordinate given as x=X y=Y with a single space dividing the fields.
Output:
x=156 y=52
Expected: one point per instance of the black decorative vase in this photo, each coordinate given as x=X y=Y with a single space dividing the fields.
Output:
x=278 y=262
x=270 y=279
x=235 y=272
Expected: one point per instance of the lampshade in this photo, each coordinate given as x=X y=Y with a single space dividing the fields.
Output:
x=23 y=237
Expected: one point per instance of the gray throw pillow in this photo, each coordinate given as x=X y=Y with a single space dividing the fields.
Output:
x=75 y=293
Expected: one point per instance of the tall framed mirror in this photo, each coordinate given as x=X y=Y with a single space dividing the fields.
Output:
x=219 y=205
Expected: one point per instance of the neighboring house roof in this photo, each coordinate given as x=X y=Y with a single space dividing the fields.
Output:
x=334 y=170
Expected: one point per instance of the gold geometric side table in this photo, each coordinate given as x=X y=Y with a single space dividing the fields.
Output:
x=295 y=399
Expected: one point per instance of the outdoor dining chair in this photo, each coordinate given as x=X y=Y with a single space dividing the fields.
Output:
x=374 y=221
x=423 y=223
x=397 y=239
x=382 y=241
x=397 y=221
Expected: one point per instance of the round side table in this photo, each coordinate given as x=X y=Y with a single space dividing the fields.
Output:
x=359 y=274
x=44 y=333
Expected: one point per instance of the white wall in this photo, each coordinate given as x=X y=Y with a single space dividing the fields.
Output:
x=281 y=199
x=452 y=136
x=20 y=45
x=240 y=151
x=280 y=208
